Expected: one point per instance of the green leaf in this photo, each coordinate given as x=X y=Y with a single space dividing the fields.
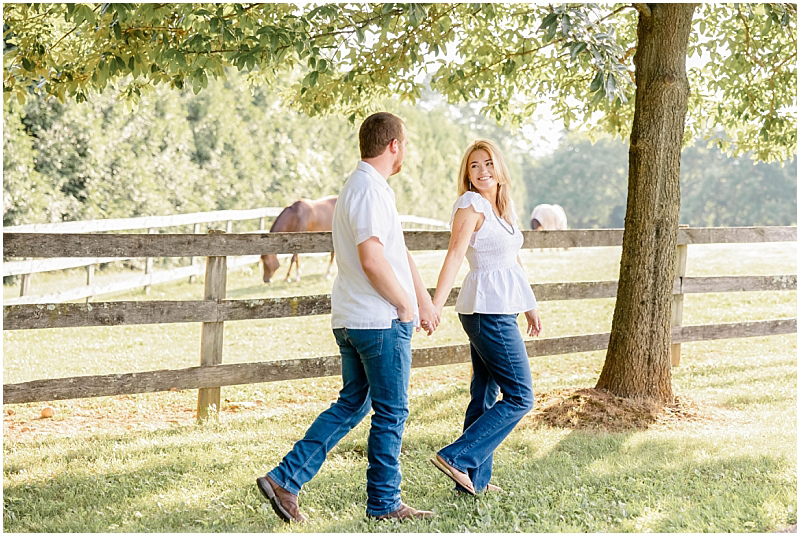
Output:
x=597 y=82
x=386 y=8
x=566 y=25
x=611 y=84
x=576 y=49
x=597 y=97
x=550 y=33
x=548 y=21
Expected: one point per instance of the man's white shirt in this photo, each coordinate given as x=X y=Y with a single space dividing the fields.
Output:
x=366 y=208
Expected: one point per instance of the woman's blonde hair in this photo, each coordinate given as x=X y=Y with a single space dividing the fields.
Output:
x=501 y=175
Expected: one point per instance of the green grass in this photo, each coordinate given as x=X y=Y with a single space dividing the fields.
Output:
x=140 y=464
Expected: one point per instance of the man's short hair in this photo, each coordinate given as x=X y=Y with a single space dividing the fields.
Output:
x=377 y=132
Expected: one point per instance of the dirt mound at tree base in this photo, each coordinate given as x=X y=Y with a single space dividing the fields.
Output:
x=598 y=409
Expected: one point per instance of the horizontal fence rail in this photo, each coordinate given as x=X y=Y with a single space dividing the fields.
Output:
x=128 y=283
x=66 y=315
x=222 y=244
x=35 y=266
x=204 y=377
x=145 y=222
x=172 y=220
x=28 y=267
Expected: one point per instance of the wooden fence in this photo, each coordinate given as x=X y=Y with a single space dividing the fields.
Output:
x=26 y=268
x=213 y=311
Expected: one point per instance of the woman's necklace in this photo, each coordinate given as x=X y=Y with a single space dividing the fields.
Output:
x=503 y=225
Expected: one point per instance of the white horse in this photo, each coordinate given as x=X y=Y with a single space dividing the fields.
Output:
x=548 y=218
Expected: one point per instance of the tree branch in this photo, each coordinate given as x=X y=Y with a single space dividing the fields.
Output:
x=69 y=32
x=617 y=11
x=644 y=10
x=244 y=10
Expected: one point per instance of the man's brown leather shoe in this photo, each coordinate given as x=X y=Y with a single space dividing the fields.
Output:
x=283 y=502
x=405 y=512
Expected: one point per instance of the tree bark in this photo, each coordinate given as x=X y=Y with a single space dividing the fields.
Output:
x=637 y=362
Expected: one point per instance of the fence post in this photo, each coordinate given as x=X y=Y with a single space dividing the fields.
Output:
x=25 y=286
x=89 y=279
x=211 y=337
x=148 y=267
x=262 y=223
x=229 y=227
x=194 y=259
x=677 y=299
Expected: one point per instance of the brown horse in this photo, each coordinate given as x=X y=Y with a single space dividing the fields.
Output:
x=302 y=215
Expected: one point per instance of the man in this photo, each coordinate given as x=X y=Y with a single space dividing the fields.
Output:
x=373 y=313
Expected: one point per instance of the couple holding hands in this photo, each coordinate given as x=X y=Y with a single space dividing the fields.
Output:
x=379 y=298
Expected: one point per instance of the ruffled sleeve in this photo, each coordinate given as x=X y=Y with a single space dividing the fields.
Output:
x=471 y=199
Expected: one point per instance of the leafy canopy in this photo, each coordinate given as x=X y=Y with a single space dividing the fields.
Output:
x=341 y=58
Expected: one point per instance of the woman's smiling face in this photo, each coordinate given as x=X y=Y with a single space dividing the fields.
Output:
x=480 y=170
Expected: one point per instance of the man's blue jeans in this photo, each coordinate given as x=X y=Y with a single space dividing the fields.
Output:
x=499 y=364
x=376 y=366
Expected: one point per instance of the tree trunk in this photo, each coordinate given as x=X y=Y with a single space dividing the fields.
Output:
x=637 y=362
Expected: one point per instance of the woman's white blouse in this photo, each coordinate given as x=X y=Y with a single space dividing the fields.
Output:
x=496 y=283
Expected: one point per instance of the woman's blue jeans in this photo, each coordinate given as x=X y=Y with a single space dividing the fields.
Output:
x=376 y=366
x=499 y=365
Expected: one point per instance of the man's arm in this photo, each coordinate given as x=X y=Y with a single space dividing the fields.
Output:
x=428 y=318
x=382 y=277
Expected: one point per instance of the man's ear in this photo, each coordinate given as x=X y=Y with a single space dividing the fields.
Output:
x=394 y=145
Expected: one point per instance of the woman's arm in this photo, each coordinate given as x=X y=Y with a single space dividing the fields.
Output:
x=427 y=314
x=466 y=221
x=534 y=322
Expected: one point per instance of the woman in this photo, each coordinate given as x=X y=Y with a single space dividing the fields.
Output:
x=494 y=292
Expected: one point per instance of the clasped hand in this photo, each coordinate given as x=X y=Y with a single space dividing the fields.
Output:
x=429 y=318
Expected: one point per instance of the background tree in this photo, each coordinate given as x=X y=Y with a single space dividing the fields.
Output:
x=590 y=180
x=506 y=55
x=230 y=147
x=718 y=190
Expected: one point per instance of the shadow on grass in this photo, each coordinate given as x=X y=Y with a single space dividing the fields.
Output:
x=586 y=482
x=656 y=486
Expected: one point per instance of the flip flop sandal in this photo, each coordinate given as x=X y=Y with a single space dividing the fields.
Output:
x=460 y=479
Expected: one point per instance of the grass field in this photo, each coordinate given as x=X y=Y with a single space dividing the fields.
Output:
x=140 y=464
